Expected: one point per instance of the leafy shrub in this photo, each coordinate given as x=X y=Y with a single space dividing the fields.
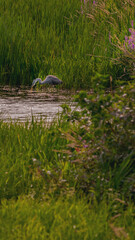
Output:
x=105 y=142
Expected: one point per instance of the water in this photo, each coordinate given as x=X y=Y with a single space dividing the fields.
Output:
x=18 y=104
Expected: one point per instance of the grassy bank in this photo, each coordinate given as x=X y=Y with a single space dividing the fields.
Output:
x=73 y=40
x=64 y=219
x=50 y=187
x=74 y=178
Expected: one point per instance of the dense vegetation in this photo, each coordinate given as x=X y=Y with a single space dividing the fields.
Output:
x=78 y=41
x=73 y=179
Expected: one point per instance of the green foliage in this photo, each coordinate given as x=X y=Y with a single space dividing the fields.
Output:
x=64 y=219
x=38 y=39
x=106 y=149
x=27 y=154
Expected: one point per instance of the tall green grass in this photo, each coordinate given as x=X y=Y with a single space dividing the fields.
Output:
x=64 y=219
x=26 y=155
x=42 y=193
x=54 y=37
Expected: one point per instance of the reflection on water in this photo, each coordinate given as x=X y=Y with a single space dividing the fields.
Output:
x=21 y=104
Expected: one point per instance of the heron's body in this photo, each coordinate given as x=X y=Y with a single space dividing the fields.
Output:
x=50 y=79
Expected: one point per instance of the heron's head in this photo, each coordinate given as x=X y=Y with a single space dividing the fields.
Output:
x=35 y=81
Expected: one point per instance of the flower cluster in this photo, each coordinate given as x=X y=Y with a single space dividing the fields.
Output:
x=130 y=40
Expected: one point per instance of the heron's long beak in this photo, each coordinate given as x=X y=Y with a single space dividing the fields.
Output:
x=33 y=84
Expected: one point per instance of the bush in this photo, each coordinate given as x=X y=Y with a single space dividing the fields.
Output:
x=105 y=140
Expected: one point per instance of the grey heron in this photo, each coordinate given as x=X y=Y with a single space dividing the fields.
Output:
x=50 y=79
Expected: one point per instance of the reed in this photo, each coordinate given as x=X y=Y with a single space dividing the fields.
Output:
x=50 y=37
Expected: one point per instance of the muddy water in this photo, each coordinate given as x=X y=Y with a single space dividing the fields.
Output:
x=19 y=104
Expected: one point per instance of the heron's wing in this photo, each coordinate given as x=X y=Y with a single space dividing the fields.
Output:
x=47 y=80
x=50 y=79
x=56 y=81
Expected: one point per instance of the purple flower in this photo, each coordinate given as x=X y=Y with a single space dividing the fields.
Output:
x=126 y=38
x=130 y=40
x=80 y=138
x=133 y=32
x=94 y=2
x=85 y=146
x=81 y=10
x=133 y=46
x=132 y=23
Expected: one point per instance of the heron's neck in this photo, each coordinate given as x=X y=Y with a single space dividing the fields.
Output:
x=40 y=81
